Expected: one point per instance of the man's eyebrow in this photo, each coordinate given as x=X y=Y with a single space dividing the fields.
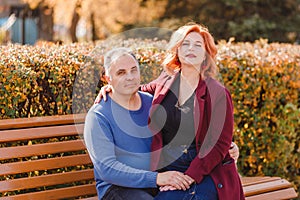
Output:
x=120 y=70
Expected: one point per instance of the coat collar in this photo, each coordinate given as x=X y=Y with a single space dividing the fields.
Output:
x=165 y=87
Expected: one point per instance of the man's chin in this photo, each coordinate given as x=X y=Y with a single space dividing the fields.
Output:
x=129 y=90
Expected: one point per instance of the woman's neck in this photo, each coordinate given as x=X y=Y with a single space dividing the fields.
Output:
x=190 y=74
x=129 y=102
x=189 y=79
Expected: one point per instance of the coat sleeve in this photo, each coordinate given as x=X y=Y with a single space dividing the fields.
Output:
x=218 y=134
x=151 y=87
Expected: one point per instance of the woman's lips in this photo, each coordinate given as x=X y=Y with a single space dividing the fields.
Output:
x=191 y=55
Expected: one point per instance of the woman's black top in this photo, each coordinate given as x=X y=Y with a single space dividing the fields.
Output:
x=177 y=122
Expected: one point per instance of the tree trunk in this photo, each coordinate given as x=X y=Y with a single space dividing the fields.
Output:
x=75 y=20
x=94 y=32
x=45 y=22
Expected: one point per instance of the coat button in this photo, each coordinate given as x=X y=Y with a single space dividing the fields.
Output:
x=220 y=185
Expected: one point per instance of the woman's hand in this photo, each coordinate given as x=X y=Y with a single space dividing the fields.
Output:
x=166 y=188
x=234 y=151
x=174 y=180
x=102 y=93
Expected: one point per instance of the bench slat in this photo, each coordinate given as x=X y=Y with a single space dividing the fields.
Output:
x=90 y=198
x=41 y=121
x=288 y=193
x=61 y=193
x=46 y=180
x=246 y=181
x=39 y=133
x=41 y=149
x=266 y=187
x=44 y=164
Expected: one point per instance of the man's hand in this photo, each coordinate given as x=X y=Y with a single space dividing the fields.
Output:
x=102 y=93
x=234 y=152
x=176 y=180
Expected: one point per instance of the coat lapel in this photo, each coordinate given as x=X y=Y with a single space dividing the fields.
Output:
x=199 y=103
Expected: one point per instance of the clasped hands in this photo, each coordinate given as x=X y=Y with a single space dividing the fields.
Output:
x=173 y=180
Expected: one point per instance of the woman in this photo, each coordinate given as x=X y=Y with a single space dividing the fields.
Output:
x=188 y=101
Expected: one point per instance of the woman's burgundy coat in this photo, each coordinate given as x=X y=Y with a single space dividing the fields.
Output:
x=213 y=121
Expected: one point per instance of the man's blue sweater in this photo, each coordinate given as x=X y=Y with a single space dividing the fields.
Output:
x=119 y=144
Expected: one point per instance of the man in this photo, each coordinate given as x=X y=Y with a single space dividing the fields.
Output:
x=118 y=139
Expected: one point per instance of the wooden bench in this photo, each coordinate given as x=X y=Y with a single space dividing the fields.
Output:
x=45 y=158
x=49 y=161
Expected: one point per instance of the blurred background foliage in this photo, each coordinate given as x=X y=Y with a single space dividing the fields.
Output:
x=263 y=78
x=61 y=77
x=90 y=20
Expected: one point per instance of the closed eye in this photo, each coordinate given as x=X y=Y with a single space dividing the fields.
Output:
x=120 y=72
x=134 y=69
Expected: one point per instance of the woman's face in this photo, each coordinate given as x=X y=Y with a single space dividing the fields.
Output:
x=192 y=50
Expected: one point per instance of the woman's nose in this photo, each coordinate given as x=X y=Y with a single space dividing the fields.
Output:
x=191 y=46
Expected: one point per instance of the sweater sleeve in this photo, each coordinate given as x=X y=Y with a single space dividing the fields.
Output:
x=100 y=144
x=218 y=138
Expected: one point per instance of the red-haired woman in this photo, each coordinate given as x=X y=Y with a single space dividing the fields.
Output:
x=192 y=119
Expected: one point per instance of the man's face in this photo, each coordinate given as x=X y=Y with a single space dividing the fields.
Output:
x=125 y=75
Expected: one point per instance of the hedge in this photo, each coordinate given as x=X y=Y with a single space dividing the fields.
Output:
x=263 y=78
x=264 y=81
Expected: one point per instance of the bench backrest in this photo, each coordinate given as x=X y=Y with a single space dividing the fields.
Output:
x=44 y=158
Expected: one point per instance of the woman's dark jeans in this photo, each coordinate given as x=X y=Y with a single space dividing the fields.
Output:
x=205 y=190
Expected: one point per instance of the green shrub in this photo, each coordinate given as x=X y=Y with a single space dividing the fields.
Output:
x=264 y=81
x=38 y=80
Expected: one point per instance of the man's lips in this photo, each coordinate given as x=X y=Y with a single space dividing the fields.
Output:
x=131 y=85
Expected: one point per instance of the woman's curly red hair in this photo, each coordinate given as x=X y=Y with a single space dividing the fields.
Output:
x=171 y=63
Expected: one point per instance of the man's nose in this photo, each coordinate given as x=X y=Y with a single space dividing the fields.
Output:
x=129 y=76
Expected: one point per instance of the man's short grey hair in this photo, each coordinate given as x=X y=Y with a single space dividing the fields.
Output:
x=114 y=54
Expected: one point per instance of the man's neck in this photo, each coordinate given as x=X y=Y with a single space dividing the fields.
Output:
x=130 y=102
